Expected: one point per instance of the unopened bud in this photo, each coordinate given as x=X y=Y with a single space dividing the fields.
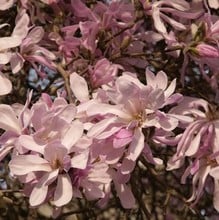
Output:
x=125 y=43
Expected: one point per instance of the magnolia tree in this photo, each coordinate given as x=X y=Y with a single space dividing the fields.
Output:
x=109 y=109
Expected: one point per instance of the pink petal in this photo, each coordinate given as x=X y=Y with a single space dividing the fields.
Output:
x=55 y=150
x=29 y=143
x=21 y=29
x=63 y=193
x=9 y=42
x=158 y=23
x=16 y=62
x=215 y=172
x=126 y=196
x=80 y=160
x=100 y=126
x=39 y=193
x=6 y=4
x=8 y=119
x=103 y=109
x=194 y=145
x=24 y=164
x=127 y=166
x=150 y=78
x=180 y=5
x=36 y=34
x=136 y=146
x=5 y=57
x=213 y=4
x=5 y=85
x=167 y=123
x=109 y=132
x=176 y=25
x=73 y=134
x=79 y=87
x=161 y=80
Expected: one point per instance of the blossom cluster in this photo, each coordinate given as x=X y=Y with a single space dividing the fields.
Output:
x=123 y=69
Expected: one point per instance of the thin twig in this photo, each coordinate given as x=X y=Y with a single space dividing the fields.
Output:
x=65 y=76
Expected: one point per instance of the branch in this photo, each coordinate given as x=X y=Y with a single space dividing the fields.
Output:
x=65 y=76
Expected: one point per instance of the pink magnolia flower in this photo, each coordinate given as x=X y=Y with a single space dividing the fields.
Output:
x=14 y=121
x=55 y=165
x=135 y=107
x=103 y=72
x=179 y=8
x=199 y=142
x=31 y=52
x=64 y=171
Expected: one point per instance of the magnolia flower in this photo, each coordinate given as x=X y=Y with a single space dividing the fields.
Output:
x=180 y=8
x=135 y=107
x=199 y=142
x=31 y=52
x=54 y=166
x=103 y=72
x=14 y=122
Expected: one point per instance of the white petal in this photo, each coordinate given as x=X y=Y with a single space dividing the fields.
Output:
x=29 y=143
x=73 y=134
x=79 y=87
x=194 y=145
x=38 y=195
x=80 y=160
x=126 y=196
x=5 y=85
x=8 y=119
x=161 y=80
x=215 y=172
x=100 y=126
x=24 y=164
x=64 y=192
x=39 y=192
x=136 y=145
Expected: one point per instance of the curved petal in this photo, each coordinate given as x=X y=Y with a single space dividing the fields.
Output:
x=136 y=145
x=100 y=126
x=158 y=23
x=38 y=195
x=73 y=134
x=21 y=28
x=125 y=195
x=63 y=193
x=161 y=80
x=80 y=160
x=24 y=164
x=29 y=143
x=8 y=119
x=79 y=87
x=39 y=192
x=6 y=4
x=5 y=85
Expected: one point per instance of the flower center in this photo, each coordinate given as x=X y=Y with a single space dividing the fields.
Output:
x=57 y=164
